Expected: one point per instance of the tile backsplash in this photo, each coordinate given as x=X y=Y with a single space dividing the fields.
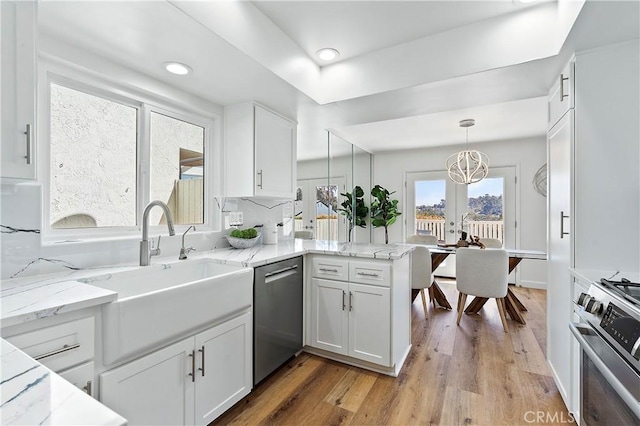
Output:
x=23 y=254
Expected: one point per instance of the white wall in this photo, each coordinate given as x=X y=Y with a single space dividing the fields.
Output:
x=527 y=155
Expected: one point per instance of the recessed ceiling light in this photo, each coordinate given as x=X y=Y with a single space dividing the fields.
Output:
x=177 y=68
x=327 y=54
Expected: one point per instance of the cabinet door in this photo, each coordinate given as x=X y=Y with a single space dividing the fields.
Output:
x=18 y=88
x=329 y=316
x=275 y=147
x=559 y=309
x=561 y=97
x=153 y=390
x=370 y=323
x=223 y=367
x=81 y=377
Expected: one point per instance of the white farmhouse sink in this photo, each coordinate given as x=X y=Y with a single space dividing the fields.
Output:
x=160 y=304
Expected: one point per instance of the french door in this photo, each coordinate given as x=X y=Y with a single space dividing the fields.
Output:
x=438 y=206
x=316 y=208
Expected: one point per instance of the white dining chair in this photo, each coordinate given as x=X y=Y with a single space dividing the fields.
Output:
x=430 y=240
x=421 y=273
x=482 y=273
x=491 y=242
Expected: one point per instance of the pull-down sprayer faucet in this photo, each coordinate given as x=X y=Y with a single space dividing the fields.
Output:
x=145 y=252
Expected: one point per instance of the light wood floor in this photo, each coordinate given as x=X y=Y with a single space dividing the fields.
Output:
x=471 y=374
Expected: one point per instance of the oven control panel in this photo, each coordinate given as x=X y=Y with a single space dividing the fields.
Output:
x=624 y=329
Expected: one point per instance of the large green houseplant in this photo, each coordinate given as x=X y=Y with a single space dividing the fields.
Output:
x=384 y=211
x=354 y=209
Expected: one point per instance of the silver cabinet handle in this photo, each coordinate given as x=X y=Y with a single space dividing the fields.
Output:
x=343 y=304
x=562 y=79
x=65 y=348
x=202 y=368
x=260 y=175
x=350 y=301
x=364 y=274
x=562 y=218
x=193 y=366
x=87 y=388
x=28 y=134
x=281 y=271
x=328 y=270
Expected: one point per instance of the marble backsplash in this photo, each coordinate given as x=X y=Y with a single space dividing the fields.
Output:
x=24 y=254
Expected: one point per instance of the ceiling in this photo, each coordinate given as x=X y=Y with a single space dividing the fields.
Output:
x=407 y=73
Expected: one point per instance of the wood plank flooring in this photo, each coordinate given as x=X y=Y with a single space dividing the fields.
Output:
x=474 y=374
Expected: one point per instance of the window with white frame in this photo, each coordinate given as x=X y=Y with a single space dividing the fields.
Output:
x=110 y=155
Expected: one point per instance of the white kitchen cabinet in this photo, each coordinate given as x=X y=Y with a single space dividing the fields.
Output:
x=18 y=77
x=359 y=312
x=369 y=319
x=561 y=98
x=155 y=389
x=260 y=152
x=66 y=347
x=81 y=377
x=330 y=315
x=349 y=319
x=593 y=192
x=559 y=249
x=190 y=382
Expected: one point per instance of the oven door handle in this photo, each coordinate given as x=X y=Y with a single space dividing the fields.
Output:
x=619 y=388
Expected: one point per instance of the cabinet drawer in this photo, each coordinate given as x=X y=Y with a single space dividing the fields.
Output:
x=80 y=377
x=375 y=273
x=60 y=346
x=334 y=269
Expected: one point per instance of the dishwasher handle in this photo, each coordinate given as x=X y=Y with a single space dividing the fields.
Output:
x=280 y=271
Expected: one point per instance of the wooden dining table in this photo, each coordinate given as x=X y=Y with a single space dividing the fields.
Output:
x=513 y=305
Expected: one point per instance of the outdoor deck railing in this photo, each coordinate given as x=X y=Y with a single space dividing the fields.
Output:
x=483 y=229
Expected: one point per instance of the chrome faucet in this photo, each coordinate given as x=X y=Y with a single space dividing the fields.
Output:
x=185 y=251
x=145 y=252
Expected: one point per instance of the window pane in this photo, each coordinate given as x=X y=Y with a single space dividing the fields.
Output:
x=485 y=217
x=177 y=169
x=93 y=161
x=430 y=206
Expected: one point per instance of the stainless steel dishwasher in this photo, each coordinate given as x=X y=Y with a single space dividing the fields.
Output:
x=277 y=315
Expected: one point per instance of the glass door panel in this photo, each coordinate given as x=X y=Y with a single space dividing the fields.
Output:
x=485 y=209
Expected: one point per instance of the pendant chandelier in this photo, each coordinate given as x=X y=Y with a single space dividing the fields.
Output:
x=468 y=166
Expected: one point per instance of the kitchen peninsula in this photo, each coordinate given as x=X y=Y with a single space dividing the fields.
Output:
x=18 y=313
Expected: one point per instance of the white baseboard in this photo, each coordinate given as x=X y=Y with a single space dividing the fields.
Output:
x=533 y=284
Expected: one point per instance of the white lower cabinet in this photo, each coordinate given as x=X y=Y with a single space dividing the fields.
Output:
x=351 y=319
x=190 y=382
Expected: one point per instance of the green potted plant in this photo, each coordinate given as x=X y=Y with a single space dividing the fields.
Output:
x=243 y=238
x=384 y=211
x=354 y=209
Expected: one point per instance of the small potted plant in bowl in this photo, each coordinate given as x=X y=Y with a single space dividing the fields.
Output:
x=243 y=238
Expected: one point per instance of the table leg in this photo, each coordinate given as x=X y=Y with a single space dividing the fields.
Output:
x=516 y=301
x=439 y=296
x=476 y=304
x=511 y=307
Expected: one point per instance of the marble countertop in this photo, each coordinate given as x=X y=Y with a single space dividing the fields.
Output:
x=32 y=394
x=260 y=255
x=41 y=296
x=26 y=301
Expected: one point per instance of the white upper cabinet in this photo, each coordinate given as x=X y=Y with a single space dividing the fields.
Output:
x=561 y=96
x=260 y=152
x=18 y=88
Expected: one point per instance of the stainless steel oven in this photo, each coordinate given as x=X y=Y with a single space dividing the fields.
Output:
x=609 y=337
